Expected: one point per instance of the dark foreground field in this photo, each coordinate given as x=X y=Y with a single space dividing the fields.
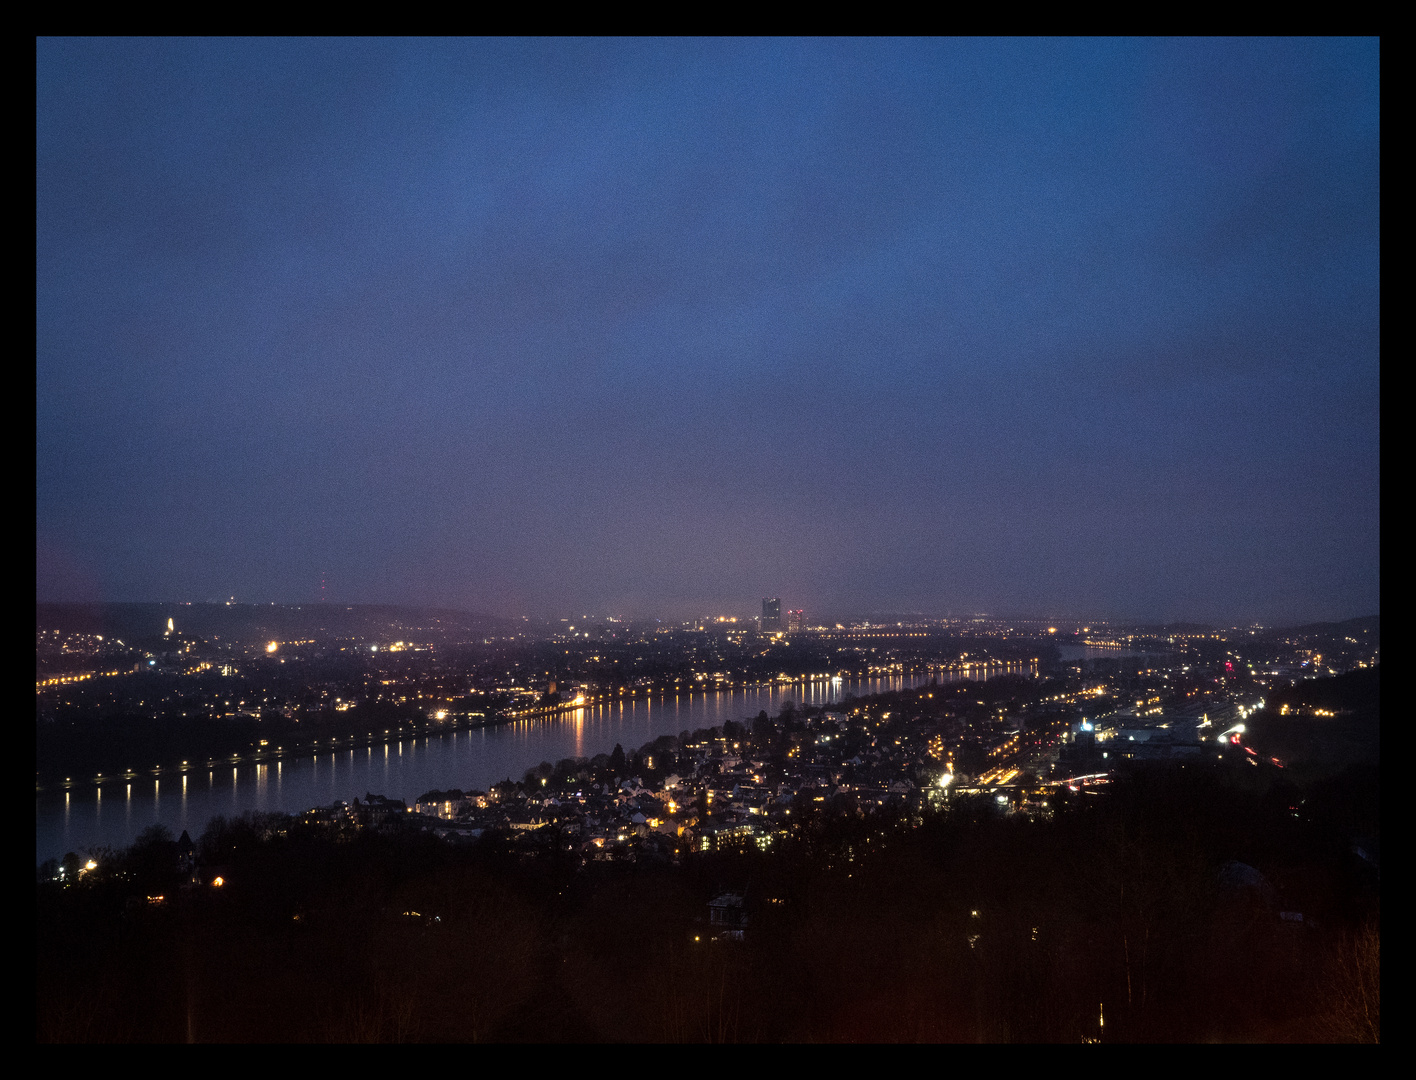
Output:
x=1123 y=918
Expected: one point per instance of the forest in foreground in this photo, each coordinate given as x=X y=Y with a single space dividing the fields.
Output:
x=1183 y=905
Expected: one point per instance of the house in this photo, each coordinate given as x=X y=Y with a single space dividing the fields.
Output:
x=378 y=810
x=730 y=831
x=526 y=820
x=727 y=916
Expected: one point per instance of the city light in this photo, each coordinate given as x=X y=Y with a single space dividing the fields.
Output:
x=696 y=785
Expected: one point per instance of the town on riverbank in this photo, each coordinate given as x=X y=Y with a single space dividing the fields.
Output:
x=949 y=862
x=139 y=691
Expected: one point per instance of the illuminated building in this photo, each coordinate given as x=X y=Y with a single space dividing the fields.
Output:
x=771 y=614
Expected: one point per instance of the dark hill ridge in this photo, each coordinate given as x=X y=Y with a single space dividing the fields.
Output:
x=1369 y=625
x=1346 y=732
x=254 y=622
x=1350 y=692
x=1364 y=624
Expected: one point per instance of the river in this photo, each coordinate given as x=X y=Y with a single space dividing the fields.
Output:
x=111 y=815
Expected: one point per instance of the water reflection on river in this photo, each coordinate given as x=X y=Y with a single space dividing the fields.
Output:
x=112 y=815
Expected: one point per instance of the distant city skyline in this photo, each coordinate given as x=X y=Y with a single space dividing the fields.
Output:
x=728 y=617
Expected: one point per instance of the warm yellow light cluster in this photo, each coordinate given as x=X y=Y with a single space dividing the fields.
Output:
x=61 y=679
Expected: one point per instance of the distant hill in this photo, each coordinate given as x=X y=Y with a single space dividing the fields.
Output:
x=255 y=622
x=1351 y=734
x=1366 y=624
x=1353 y=691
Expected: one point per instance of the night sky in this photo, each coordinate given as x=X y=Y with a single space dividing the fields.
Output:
x=663 y=327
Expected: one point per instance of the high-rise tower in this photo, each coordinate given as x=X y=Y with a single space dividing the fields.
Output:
x=771 y=613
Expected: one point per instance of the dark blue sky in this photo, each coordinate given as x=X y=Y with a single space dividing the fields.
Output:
x=1053 y=327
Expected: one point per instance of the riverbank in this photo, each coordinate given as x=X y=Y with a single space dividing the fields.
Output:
x=104 y=752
